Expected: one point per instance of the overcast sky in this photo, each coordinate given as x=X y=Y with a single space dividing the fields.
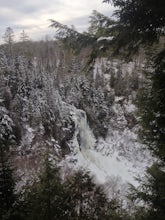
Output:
x=33 y=15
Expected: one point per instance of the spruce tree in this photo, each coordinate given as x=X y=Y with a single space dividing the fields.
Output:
x=44 y=199
x=141 y=23
x=7 y=184
x=97 y=38
x=9 y=41
x=152 y=106
x=152 y=119
x=138 y=22
x=86 y=200
x=7 y=195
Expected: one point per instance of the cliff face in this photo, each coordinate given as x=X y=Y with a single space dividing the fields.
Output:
x=84 y=119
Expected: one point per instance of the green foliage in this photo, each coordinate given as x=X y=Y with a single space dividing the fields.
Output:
x=141 y=23
x=152 y=118
x=152 y=107
x=138 y=22
x=156 y=185
x=9 y=41
x=77 y=197
x=79 y=190
x=100 y=26
x=43 y=200
x=152 y=193
x=7 y=184
x=85 y=199
x=70 y=37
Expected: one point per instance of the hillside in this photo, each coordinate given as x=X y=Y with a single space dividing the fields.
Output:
x=86 y=119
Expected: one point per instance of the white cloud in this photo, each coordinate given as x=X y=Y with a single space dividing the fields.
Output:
x=33 y=15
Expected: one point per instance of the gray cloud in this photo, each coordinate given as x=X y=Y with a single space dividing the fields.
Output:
x=30 y=6
x=81 y=23
x=33 y=15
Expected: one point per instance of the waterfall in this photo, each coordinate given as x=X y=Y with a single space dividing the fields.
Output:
x=83 y=136
x=85 y=154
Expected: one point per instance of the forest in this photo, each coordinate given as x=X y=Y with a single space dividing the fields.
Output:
x=82 y=118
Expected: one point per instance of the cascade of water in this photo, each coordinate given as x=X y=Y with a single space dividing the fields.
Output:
x=83 y=136
x=83 y=146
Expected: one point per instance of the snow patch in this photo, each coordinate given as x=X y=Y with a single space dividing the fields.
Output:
x=28 y=137
x=119 y=155
x=105 y=38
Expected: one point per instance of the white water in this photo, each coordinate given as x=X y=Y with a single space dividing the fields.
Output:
x=102 y=166
x=83 y=137
x=114 y=161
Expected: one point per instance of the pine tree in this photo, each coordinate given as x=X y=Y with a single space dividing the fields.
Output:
x=98 y=37
x=7 y=195
x=9 y=40
x=100 y=25
x=51 y=191
x=24 y=37
x=152 y=107
x=44 y=199
x=152 y=119
x=141 y=23
x=7 y=184
x=86 y=200
x=138 y=22
x=78 y=190
x=70 y=37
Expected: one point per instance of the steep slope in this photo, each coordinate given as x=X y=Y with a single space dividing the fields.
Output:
x=119 y=154
x=85 y=120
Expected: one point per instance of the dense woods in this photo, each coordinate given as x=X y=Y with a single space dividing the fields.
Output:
x=60 y=97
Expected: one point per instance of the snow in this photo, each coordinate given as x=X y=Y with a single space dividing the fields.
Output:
x=119 y=98
x=104 y=166
x=97 y=69
x=129 y=107
x=105 y=38
x=118 y=156
x=28 y=137
x=128 y=68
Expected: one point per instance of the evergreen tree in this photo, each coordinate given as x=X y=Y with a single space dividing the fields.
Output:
x=152 y=107
x=7 y=184
x=152 y=119
x=100 y=25
x=141 y=23
x=9 y=36
x=86 y=200
x=24 y=37
x=80 y=190
x=9 y=40
x=138 y=22
x=98 y=37
x=44 y=199
x=7 y=196
x=70 y=37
